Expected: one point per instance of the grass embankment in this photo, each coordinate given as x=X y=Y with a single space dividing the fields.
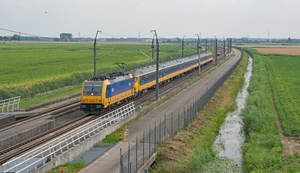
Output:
x=190 y=149
x=263 y=148
x=30 y=69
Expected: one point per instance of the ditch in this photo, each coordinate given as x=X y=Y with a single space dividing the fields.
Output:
x=228 y=144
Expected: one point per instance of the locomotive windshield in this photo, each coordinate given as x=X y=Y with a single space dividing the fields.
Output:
x=92 y=88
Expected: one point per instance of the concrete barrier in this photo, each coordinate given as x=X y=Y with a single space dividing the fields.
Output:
x=16 y=138
x=6 y=118
x=148 y=163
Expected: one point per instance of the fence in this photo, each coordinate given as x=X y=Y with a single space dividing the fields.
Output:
x=10 y=105
x=39 y=156
x=168 y=125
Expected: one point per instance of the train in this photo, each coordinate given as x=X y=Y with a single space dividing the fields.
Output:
x=108 y=91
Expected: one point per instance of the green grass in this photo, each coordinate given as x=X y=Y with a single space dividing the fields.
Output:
x=27 y=64
x=69 y=167
x=284 y=74
x=50 y=96
x=114 y=137
x=29 y=69
x=263 y=149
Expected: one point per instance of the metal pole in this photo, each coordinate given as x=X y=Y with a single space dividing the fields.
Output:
x=157 y=65
x=199 y=58
x=95 y=54
x=143 y=147
x=216 y=51
x=182 y=46
x=155 y=137
x=172 y=123
x=160 y=131
x=136 y=153
x=149 y=139
x=121 y=161
x=178 y=121
x=211 y=47
x=224 y=50
x=152 y=48
x=165 y=125
x=129 y=157
x=228 y=46
x=206 y=44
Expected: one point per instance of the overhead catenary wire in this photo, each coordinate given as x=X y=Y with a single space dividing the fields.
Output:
x=19 y=32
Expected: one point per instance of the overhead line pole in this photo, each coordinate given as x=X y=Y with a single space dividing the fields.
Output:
x=95 y=54
x=216 y=51
x=152 y=50
x=199 y=54
x=157 y=65
x=224 y=48
x=182 y=47
x=228 y=46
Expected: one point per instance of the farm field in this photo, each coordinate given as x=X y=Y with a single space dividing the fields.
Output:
x=26 y=64
x=275 y=48
x=271 y=114
x=284 y=74
x=28 y=69
x=292 y=50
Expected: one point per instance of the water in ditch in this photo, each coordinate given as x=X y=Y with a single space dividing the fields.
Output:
x=228 y=143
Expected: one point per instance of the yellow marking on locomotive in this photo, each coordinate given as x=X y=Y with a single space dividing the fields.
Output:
x=117 y=98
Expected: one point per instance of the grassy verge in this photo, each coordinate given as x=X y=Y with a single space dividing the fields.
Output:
x=190 y=149
x=263 y=149
x=114 y=137
x=68 y=167
x=50 y=96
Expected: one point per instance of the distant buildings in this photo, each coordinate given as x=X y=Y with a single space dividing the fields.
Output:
x=66 y=37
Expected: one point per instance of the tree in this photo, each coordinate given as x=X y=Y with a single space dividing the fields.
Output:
x=15 y=37
x=5 y=38
x=1 y=38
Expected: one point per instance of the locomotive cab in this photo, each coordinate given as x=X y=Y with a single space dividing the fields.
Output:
x=91 y=97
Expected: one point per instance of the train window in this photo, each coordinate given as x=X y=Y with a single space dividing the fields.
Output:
x=92 y=88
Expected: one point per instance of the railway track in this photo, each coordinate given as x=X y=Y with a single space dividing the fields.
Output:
x=31 y=143
x=24 y=146
x=53 y=111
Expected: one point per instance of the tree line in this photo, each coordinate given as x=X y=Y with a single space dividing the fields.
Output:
x=15 y=37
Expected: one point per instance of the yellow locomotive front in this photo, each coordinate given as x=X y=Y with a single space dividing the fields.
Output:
x=91 y=97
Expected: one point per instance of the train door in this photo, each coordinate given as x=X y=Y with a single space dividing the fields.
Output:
x=136 y=85
x=108 y=94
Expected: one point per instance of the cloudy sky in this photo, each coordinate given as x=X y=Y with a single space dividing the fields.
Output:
x=170 y=18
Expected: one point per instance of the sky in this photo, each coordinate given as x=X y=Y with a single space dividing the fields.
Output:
x=135 y=18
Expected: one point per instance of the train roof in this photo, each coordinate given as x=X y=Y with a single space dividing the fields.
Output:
x=147 y=69
x=119 y=78
x=111 y=77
